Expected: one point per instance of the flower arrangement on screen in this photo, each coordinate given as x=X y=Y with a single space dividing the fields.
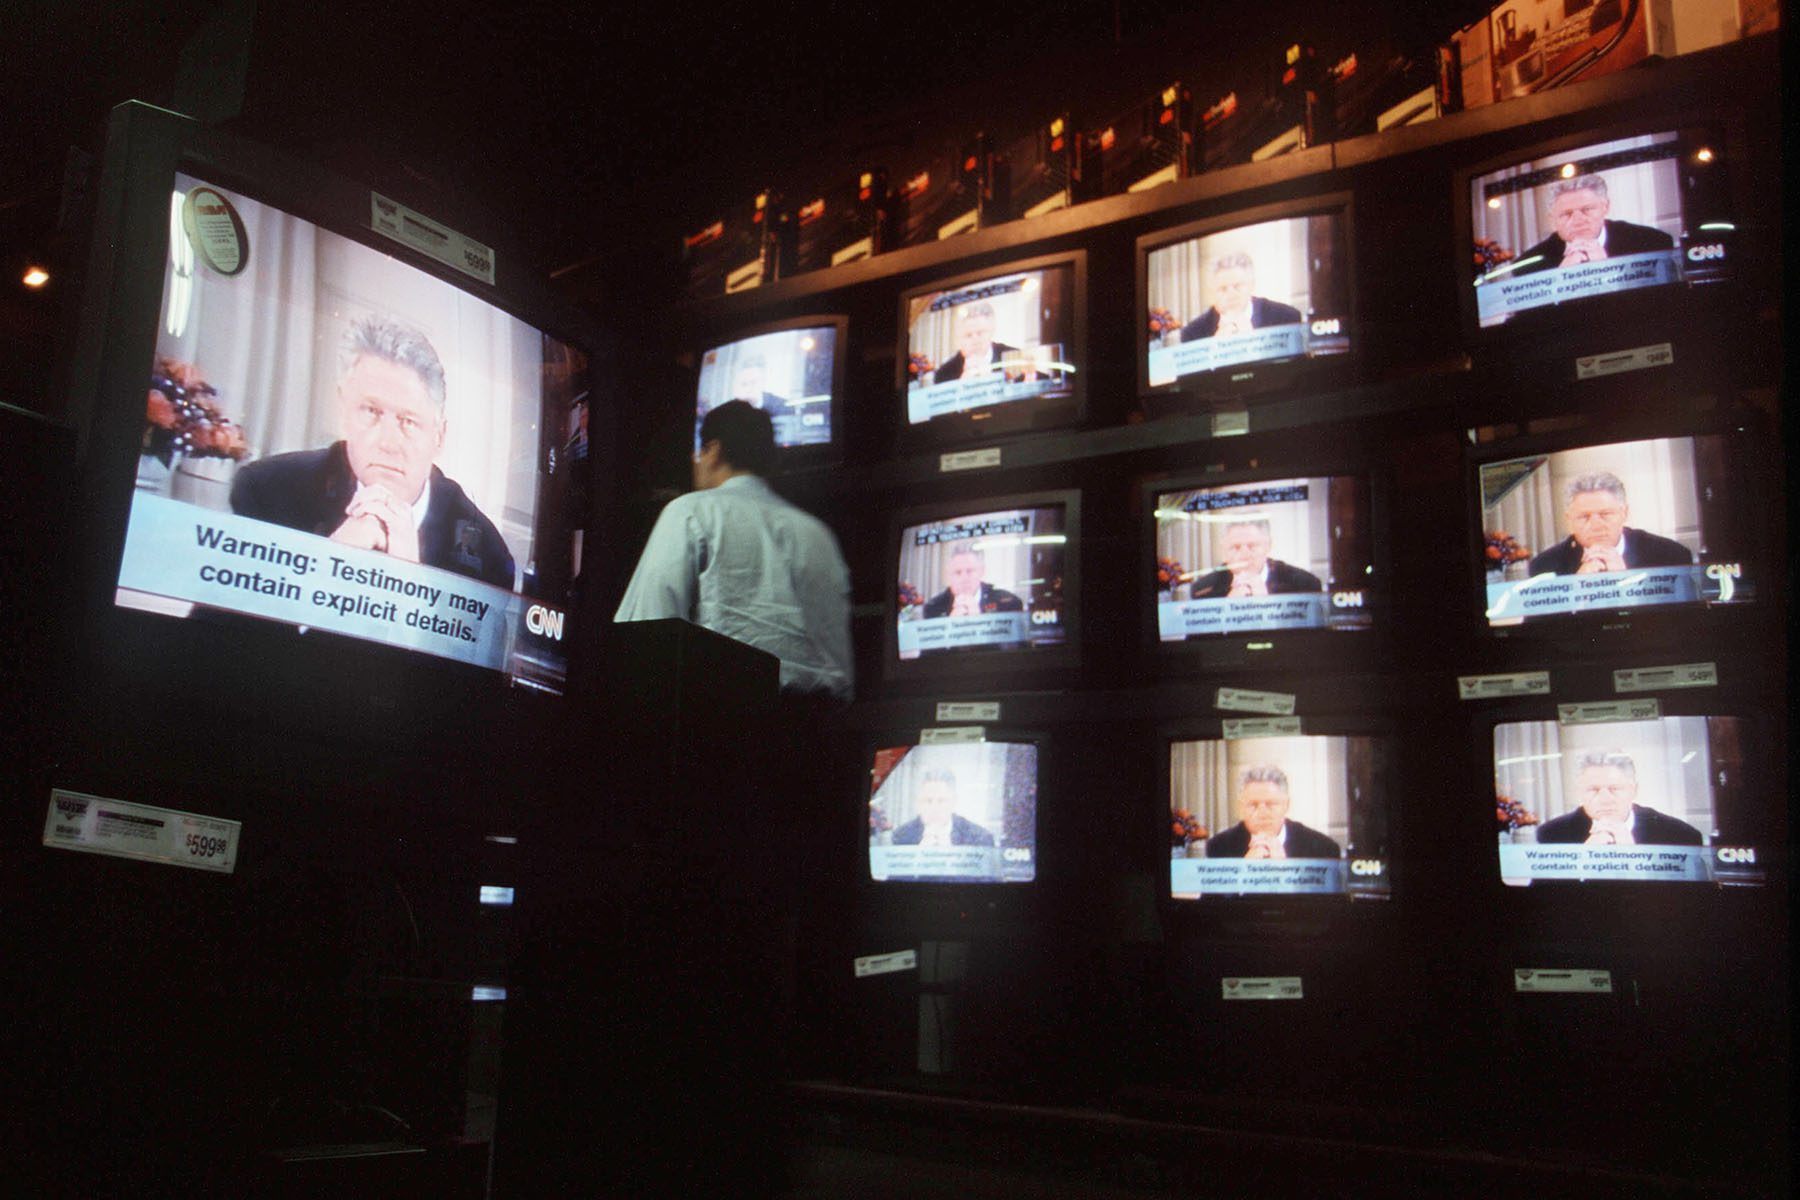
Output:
x=918 y=367
x=1168 y=574
x=1185 y=828
x=1502 y=548
x=1511 y=814
x=909 y=599
x=1490 y=254
x=1162 y=321
x=878 y=820
x=180 y=417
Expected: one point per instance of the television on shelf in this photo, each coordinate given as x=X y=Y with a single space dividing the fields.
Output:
x=961 y=812
x=1253 y=301
x=1596 y=228
x=1662 y=799
x=1590 y=535
x=793 y=370
x=987 y=589
x=1301 y=815
x=1251 y=557
x=325 y=430
x=998 y=351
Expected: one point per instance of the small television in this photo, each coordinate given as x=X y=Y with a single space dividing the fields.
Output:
x=1589 y=228
x=1663 y=799
x=962 y=812
x=1253 y=301
x=997 y=351
x=1258 y=818
x=793 y=370
x=1583 y=536
x=1249 y=557
x=986 y=589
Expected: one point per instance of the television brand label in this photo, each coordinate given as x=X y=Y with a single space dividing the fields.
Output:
x=1253 y=727
x=98 y=825
x=1587 y=982
x=1608 y=710
x=1261 y=987
x=431 y=238
x=1233 y=699
x=1653 y=679
x=1593 y=366
x=887 y=964
x=952 y=735
x=1518 y=683
x=969 y=460
x=968 y=710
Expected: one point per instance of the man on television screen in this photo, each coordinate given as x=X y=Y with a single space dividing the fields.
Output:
x=1599 y=539
x=1578 y=208
x=1263 y=830
x=937 y=823
x=968 y=595
x=1231 y=280
x=977 y=351
x=1606 y=783
x=737 y=558
x=749 y=384
x=1248 y=569
x=377 y=487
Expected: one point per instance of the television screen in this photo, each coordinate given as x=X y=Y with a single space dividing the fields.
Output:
x=336 y=440
x=1649 y=800
x=1269 y=292
x=1000 y=341
x=1609 y=217
x=963 y=813
x=788 y=373
x=1300 y=815
x=982 y=581
x=1273 y=554
x=1608 y=528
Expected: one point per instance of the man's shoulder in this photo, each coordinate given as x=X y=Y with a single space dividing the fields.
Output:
x=1641 y=235
x=294 y=464
x=1274 y=312
x=1654 y=545
x=1571 y=825
x=1294 y=578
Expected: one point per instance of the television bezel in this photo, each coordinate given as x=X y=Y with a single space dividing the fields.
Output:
x=1202 y=391
x=992 y=670
x=789 y=458
x=1013 y=418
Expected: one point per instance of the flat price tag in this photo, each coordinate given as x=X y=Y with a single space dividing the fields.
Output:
x=1651 y=679
x=430 y=238
x=969 y=460
x=1608 y=710
x=968 y=710
x=1592 y=366
x=1261 y=987
x=952 y=735
x=1244 y=700
x=1231 y=423
x=97 y=825
x=885 y=964
x=1250 y=727
x=1519 y=683
x=1533 y=979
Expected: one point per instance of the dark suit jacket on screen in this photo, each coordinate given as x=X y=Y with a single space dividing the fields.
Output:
x=1283 y=578
x=963 y=832
x=1648 y=828
x=1263 y=313
x=993 y=600
x=1622 y=237
x=952 y=367
x=1302 y=842
x=1641 y=550
x=309 y=490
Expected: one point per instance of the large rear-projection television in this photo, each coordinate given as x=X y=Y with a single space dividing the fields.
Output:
x=958 y=813
x=1562 y=233
x=1301 y=815
x=985 y=589
x=1249 y=302
x=997 y=351
x=315 y=414
x=793 y=370
x=1575 y=534
x=1665 y=799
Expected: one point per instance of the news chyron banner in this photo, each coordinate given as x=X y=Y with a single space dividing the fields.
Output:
x=220 y=560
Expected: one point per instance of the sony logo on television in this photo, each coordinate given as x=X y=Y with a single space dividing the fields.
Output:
x=1737 y=854
x=545 y=622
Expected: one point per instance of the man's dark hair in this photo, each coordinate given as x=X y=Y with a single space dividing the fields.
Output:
x=745 y=433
